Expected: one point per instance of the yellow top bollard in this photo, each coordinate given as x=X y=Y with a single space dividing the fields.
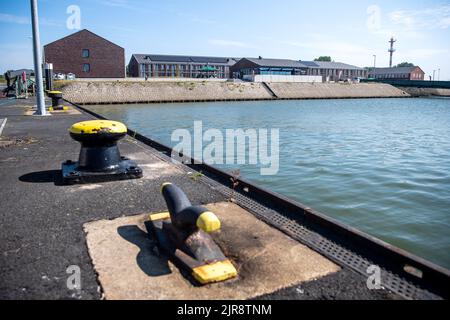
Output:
x=98 y=126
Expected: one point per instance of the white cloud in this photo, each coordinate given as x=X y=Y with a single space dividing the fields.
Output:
x=425 y=53
x=412 y=24
x=444 y=23
x=430 y=18
x=16 y=56
x=9 y=18
x=338 y=50
x=49 y=23
x=116 y=3
x=195 y=18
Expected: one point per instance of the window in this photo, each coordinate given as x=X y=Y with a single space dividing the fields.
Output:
x=86 y=67
x=85 y=53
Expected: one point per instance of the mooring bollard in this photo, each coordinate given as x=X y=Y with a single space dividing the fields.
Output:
x=183 y=233
x=57 y=101
x=100 y=158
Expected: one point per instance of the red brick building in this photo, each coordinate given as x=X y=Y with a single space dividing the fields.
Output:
x=86 y=55
x=397 y=73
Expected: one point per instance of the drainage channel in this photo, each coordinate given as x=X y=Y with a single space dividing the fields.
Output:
x=402 y=273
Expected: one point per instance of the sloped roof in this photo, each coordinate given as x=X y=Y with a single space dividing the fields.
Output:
x=330 y=65
x=83 y=31
x=394 y=70
x=286 y=63
x=276 y=63
x=152 y=58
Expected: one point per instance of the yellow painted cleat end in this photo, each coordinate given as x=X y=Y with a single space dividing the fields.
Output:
x=159 y=216
x=208 y=222
x=163 y=185
x=215 y=272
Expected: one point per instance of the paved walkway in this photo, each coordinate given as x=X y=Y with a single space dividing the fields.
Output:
x=41 y=221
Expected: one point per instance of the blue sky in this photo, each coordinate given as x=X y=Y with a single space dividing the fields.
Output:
x=349 y=31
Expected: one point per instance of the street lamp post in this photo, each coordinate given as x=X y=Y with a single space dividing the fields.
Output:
x=37 y=60
x=434 y=73
x=374 y=64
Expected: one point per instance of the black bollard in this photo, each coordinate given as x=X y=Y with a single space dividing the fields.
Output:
x=100 y=158
x=57 y=101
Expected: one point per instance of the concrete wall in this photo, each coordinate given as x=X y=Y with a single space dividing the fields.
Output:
x=335 y=90
x=122 y=92
x=424 y=92
x=412 y=83
x=85 y=92
x=129 y=79
x=282 y=78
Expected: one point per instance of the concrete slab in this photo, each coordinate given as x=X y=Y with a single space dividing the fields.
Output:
x=30 y=111
x=128 y=265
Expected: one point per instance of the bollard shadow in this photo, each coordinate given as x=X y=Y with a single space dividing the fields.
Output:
x=151 y=264
x=48 y=176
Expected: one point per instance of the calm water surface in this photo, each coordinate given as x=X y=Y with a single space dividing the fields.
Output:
x=380 y=165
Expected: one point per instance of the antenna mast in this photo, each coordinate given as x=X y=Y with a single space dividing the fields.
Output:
x=391 y=50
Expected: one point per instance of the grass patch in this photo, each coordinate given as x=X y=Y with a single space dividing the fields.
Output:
x=60 y=84
x=196 y=176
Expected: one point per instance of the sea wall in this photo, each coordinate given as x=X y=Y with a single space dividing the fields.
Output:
x=140 y=92
x=425 y=92
x=335 y=90
x=97 y=92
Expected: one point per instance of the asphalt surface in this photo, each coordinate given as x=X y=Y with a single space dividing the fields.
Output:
x=41 y=220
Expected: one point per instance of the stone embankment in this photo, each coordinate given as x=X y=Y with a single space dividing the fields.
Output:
x=335 y=90
x=109 y=92
x=144 y=92
x=426 y=92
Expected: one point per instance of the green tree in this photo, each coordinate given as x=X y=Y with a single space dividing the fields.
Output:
x=405 y=64
x=323 y=58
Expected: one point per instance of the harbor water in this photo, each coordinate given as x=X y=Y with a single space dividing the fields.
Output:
x=380 y=165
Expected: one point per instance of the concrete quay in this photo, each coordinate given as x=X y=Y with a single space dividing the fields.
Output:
x=43 y=222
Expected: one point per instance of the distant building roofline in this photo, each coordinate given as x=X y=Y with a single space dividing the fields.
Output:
x=152 y=58
x=80 y=31
x=330 y=65
x=270 y=62
x=273 y=63
x=394 y=70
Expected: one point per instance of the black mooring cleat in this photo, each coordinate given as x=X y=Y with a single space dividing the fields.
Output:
x=99 y=159
x=182 y=233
